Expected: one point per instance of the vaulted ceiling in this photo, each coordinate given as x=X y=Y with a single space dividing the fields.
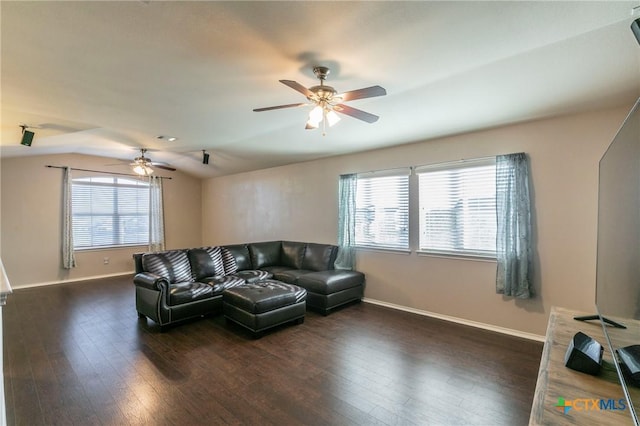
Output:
x=108 y=78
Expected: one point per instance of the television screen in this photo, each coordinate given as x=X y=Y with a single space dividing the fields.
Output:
x=618 y=259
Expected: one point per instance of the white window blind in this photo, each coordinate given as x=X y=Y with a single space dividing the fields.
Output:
x=457 y=207
x=382 y=210
x=110 y=211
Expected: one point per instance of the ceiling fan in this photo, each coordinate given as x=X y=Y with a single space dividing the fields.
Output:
x=143 y=166
x=327 y=102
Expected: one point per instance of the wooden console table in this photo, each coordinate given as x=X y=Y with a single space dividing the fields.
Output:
x=557 y=381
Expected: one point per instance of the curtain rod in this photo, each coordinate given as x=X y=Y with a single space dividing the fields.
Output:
x=107 y=173
x=393 y=169
x=413 y=168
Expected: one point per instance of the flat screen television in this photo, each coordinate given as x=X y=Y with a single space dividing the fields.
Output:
x=618 y=253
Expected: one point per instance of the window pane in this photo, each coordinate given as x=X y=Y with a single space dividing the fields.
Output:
x=134 y=229
x=382 y=212
x=457 y=209
x=110 y=211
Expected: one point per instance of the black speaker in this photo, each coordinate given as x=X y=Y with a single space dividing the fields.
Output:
x=27 y=138
x=630 y=362
x=584 y=354
x=635 y=27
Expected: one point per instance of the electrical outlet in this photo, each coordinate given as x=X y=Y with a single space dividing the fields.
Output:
x=105 y=260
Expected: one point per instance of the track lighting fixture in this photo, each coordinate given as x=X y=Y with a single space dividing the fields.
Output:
x=635 y=27
x=27 y=136
x=205 y=157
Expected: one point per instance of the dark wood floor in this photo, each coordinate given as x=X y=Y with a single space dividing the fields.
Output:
x=76 y=354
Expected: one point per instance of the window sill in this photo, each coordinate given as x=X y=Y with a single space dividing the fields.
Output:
x=132 y=246
x=457 y=256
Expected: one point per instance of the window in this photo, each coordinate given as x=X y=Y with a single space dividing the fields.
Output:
x=382 y=210
x=457 y=207
x=110 y=211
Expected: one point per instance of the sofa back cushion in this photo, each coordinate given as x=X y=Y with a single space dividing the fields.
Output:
x=319 y=257
x=292 y=254
x=206 y=262
x=265 y=253
x=172 y=265
x=236 y=258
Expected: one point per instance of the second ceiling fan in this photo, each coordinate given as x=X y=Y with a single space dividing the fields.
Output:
x=143 y=166
x=327 y=102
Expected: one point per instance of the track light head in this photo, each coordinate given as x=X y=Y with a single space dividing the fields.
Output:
x=27 y=136
x=205 y=157
x=635 y=27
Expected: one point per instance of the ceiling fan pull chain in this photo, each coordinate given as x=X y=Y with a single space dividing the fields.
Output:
x=324 y=122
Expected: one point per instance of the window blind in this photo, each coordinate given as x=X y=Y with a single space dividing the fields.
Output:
x=109 y=211
x=457 y=208
x=382 y=210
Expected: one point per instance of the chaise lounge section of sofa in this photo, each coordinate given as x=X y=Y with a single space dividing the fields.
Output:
x=308 y=265
x=176 y=285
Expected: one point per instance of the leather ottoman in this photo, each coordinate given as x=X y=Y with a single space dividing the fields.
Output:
x=264 y=304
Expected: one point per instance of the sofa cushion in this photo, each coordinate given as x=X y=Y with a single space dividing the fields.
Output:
x=222 y=282
x=180 y=293
x=290 y=276
x=265 y=254
x=236 y=257
x=253 y=275
x=206 y=262
x=276 y=269
x=328 y=282
x=172 y=265
x=292 y=254
x=319 y=257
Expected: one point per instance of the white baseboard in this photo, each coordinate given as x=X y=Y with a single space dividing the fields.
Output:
x=503 y=330
x=73 y=280
x=497 y=329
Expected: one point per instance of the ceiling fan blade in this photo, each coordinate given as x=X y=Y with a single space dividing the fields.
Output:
x=299 y=87
x=356 y=113
x=164 y=167
x=278 y=107
x=367 y=92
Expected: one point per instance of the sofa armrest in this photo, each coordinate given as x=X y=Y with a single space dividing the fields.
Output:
x=150 y=281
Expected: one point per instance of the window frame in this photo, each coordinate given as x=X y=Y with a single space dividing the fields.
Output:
x=118 y=182
x=474 y=254
x=377 y=246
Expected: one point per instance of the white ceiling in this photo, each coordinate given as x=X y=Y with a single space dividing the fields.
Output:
x=106 y=78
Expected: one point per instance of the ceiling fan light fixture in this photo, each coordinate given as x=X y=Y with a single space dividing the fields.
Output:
x=316 y=114
x=142 y=170
x=311 y=125
x=332 y=118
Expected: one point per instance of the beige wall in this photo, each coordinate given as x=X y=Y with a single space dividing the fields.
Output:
x=30 y=219
x=299 y=202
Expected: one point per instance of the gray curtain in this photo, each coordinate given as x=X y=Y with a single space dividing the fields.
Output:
x=346 y=222
x=68 y=255
x=156 y=215
x=513 y=238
